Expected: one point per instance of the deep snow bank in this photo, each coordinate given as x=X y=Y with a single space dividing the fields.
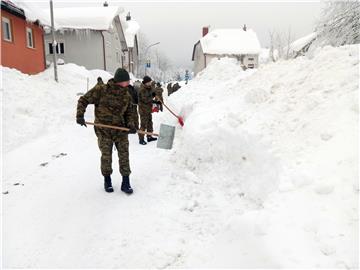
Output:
x=298 y=110
x=34 y=105
x=286 y=136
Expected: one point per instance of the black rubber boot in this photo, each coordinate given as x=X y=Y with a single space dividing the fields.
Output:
x=142 y=142
x=125 y=185
x=107 y=184
x=150 y=139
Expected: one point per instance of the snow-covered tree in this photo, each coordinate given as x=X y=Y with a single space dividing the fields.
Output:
x=339 y=23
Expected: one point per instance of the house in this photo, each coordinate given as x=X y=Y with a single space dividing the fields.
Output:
x=300 y=46
x=241 y=44
x=22 y=39
x=92 y=37
x=131 y=28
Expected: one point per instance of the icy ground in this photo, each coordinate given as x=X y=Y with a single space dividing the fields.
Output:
x=264 y=173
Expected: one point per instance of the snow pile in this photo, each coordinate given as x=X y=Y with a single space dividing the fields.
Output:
x=285 y=137
x=230 y=41
x=36 y=104
x=264 y=56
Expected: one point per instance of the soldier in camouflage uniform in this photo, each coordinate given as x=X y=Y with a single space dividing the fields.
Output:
x=159 y=95
x=169 y=88
x=112 y=107
x=145 y=109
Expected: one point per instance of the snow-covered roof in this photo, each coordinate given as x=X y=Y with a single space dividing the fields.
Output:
x=131 y=28
x=230 y=41
x=297 y=45
x=32 y=11
x=95 y=18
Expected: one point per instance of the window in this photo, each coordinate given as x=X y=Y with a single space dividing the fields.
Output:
x=29 y=38
x=58 y=45
x=61 y=48
x=251 y=59
x=6 y=29
x=251 y=66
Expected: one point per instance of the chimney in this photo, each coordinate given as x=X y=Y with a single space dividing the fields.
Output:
x=105 y=4
x=205 y=30
x=244 y=28
x=128 y=17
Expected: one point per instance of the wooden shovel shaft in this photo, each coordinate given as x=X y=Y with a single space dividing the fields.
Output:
x=121 y=128
x=167 y=107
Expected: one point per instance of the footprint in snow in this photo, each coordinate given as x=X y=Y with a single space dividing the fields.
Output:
x=59 y=155
x=44 y=164
x=18 y=184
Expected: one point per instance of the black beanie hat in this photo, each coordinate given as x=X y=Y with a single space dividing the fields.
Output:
x=121 y=75
x=146 y=79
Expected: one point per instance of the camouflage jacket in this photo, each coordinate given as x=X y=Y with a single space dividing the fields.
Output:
x=159 y=92
x=112 y=105
x=145 y=98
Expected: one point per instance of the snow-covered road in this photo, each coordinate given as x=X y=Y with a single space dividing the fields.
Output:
x=263 y=174
x=57 y=214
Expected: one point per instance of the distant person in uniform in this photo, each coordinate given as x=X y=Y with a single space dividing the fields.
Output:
x=145 y=109
x=159 y=95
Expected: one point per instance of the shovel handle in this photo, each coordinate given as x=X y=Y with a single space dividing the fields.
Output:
x=121 y=128
x=166 y=107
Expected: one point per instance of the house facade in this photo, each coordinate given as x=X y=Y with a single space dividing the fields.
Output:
x=92 y=37
x=241 y=44
x=22 y=40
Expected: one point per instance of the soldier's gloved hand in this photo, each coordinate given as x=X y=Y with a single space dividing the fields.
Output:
x=81 y=121
x=132 y=130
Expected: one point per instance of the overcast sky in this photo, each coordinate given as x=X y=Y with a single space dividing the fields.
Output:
x=178 y=25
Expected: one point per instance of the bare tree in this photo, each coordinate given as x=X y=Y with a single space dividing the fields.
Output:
x=280 y=44
x=272 y=45
x=143 y=43
x=288 y=40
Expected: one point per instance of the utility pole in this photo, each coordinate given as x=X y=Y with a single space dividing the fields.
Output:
x=53 y=41
x=146 y=50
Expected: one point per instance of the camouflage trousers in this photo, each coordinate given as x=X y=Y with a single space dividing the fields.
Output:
x=106 y=140
x=146 y=123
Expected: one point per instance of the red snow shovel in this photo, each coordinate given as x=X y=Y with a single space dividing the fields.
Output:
x=180 y=119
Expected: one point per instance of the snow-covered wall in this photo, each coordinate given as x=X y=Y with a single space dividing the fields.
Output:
x=199 y=59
